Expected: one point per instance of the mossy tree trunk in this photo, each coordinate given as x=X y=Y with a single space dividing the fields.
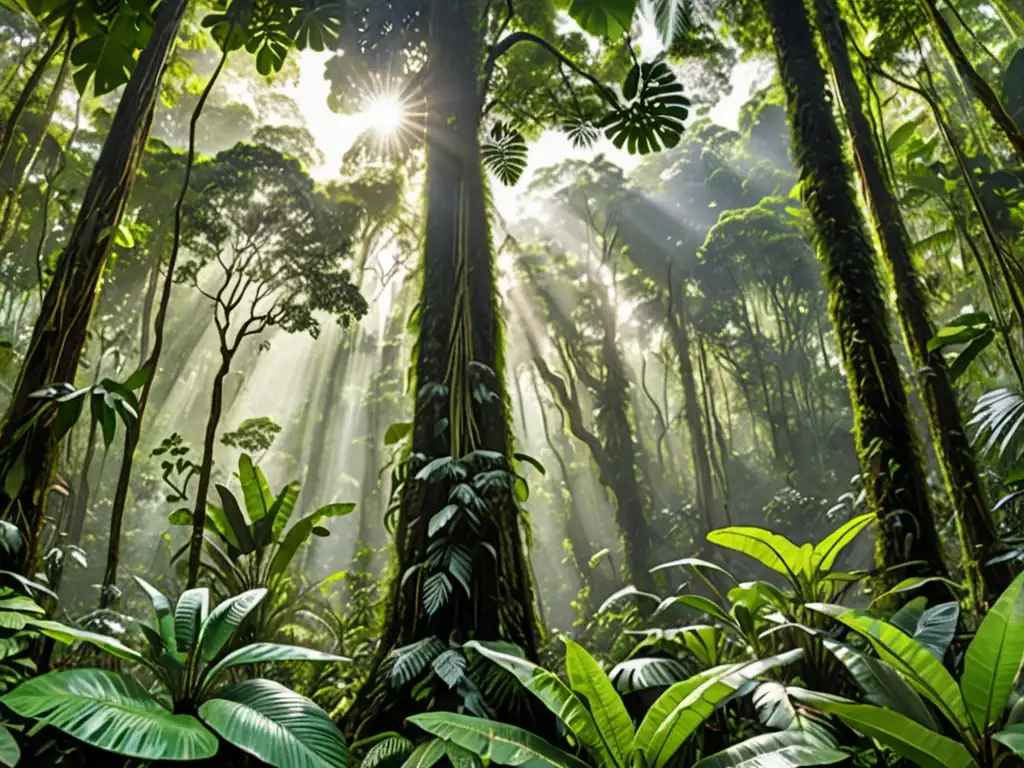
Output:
x=952 y=446
x=60 y=334
x=501 y=604
x=887 y=445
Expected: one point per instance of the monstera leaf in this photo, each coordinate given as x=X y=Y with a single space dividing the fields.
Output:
x=654 y=115
x=505 y=154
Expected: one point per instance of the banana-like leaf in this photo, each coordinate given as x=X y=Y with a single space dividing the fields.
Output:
x=828 y=549
x=69 y=635
x=503 y=744
x=299 y=534
x=255 y=490
x=908 y=657
x=262 y=653
x=1012 y=737
x=283 y=507
x=883 y=686
x=553 y=694
x=695 y=563
x=276 y=725
x=774 y=551
x=236 y=520
x=936 y=628
x=9 y=752
x=639 y=674
x=698 y=603
x=923 y=747
x=225 y=619
x=994 y=657
x=788 y=749
x=192 y=610
x=426 y=754
x=587 y=679
x=164 y=614
x=111 y=712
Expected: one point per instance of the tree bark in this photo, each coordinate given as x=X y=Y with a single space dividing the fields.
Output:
x=986 y=94
x=886 y=443
x=502 y=605
x=195 y=546
x=61 y=329
x=956 y=458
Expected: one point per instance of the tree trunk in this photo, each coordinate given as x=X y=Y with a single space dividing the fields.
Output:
x=975 y=82
x=63 y=322
x=502 y=603
x=680 y=334
x=195 y=547
x=10 y=129
x=952 y=447
x=886 y=443
x=9 y=217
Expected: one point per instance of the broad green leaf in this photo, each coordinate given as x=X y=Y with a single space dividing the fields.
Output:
x=587 y=679
x=936 y=628
x=1012 y=737
x=276 y=725
x=907 y=617
x=426 y=754
x=909 y=739
x=397 y=432
x=994 y=657
x=190 y=613
x=911 y=659
x=607 y=19
x=640 y=674
x=503 y=744
x=255 y=490
x=283 y=507
x=225 y=619
x=553 y=694
x=69 y=635
x=299 y=534
x=882 y=685
x=111 y=712
x=236 y=520
x=263 y=653
x=164 y=614
x=774 y=551
x=789 y=749
x=916 y=582
x=827 y=550
x=9 y=752
x=695 y=562
x=698 y=603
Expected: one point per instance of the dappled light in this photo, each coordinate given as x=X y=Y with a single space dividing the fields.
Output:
x=591 y=384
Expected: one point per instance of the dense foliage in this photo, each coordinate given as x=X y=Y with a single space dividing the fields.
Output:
x=547 y=383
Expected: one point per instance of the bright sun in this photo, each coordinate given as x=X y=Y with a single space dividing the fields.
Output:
x=385 y=115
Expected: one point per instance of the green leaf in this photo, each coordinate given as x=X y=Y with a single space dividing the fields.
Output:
x=111 y=712
x=911 y=659
x=882 y=685
x=698 y=603
x=827 y=550
x=789 y=749
x=640 y=674
x=587 y=679
x=299 y=534
x=426 y=754
x=607 y=19
x=235 y=519
x=772 y=550
x=553 y=694
x=397 y=432
x=450 y=666
x=284 y=506
x=1012 y=737
x=190 y=613
x=503 y=744
x=655 y=119
x=504 y=154
x=903 y=133
x=936 y=628
x=977 y=345
x=994 y=657
x=264 y=653
x=225 y=619
x=276 y=725
x=696 y=563
x=923 y=747
x=255 y=490
x=9 y=752
x=164 y=614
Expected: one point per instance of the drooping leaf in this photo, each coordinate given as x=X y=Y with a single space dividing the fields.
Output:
x=265 y=653
x=789 y=749
x=276 y=725
x=607 y=19
x=504 y=154
x=111 y=712
x=772 y=550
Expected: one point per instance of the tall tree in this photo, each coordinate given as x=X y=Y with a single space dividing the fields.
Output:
x=952 y=445
x=888 y=448
x=28 y=445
